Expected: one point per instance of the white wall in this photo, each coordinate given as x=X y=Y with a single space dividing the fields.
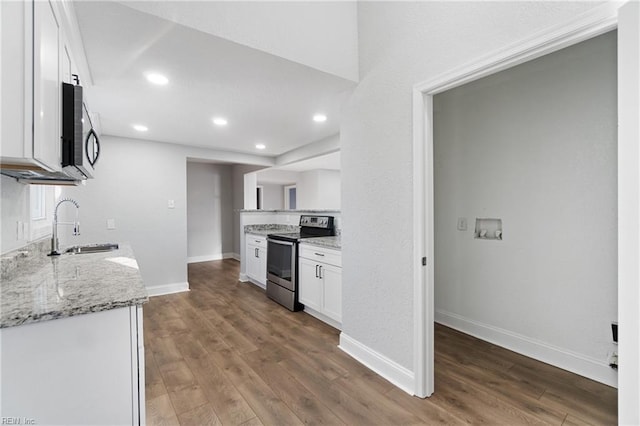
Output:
x=272 y=196
x=238 y=172
x=134 y=180
x=401 y=44
x=318 y=189
x=209 y=211
x=13 y=209
x=535 y=146
x=326 y=35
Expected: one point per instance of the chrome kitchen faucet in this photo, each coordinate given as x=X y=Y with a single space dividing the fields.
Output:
x=54 y=233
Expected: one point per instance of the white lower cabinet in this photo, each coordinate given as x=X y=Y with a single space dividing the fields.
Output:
x=256 y=258
x=320 y=286
x=86 y=369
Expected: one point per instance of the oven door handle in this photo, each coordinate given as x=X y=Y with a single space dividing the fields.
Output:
x=284 y=243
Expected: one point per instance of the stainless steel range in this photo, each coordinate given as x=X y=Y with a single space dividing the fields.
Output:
x=282 y=259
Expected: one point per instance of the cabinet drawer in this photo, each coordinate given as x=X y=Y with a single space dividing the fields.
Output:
x=318 y=254
x=256 y=240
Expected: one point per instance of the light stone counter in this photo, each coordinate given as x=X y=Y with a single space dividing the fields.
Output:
x=269 y=228
x=327 y=242
x=42 y=288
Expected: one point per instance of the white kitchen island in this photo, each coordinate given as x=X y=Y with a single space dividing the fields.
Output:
x=71 y=344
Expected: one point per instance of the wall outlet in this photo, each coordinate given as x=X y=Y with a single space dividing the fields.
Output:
x=462 y=224
x=111 y=224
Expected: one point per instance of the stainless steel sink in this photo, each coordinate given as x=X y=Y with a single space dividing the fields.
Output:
x=92 y=248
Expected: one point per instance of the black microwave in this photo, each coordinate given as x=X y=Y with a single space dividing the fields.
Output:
x=80 y=143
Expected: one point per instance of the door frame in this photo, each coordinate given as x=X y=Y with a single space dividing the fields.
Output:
x=588 y=25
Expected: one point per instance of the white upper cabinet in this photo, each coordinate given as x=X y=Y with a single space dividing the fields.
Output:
x=36 y=58
x=46 y=86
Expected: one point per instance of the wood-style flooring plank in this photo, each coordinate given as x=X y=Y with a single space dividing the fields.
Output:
x=203 y=415
x=225 y=354
x=160 y=411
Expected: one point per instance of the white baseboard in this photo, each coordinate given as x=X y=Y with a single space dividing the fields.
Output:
x=210 y=257
x=390 y=370
x=243 y=277
x=550 y=354
x=235 y=256
x=159 y=290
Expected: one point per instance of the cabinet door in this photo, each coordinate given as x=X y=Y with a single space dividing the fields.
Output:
x=310 y=286
x=251 y=257
x=261 y=266
x=90 y=357
x=46 y=86
x=332 y=300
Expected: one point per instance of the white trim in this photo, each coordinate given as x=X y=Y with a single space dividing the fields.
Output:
x=628 y=213
x=588 y=25
x=210 y=257
x=162 y=289
x=591 y=24
x=567 y=360
x=390 y=370
x=235 y=256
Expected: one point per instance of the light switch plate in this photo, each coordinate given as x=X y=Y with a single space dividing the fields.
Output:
x=171 y=204
x=462 y=224
x=111 y=224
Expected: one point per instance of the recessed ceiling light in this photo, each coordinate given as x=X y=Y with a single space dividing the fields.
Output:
x=140 y=127
x=260 y=146
x=219 y=121
x=158 y=79
x=319 y=118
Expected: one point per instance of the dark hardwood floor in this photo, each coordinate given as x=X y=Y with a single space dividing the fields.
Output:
x=225 y=354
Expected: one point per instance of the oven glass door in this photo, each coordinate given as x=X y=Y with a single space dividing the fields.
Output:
x=281 y=263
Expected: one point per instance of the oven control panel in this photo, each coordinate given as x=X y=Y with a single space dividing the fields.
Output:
x=325 y=222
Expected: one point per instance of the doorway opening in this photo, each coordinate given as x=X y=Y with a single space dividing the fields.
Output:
x=584 y=28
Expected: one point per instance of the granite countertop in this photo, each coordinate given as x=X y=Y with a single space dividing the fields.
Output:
x=326 y=242
x=269 y=228
x=42 y=288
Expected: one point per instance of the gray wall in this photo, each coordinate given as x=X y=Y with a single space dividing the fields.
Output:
x=14 y=209
x=402 y=44
x=134 y=180
x=209 y=211
x=272 y=196
x=318 y=189
x=534 y=145
x=238 y=171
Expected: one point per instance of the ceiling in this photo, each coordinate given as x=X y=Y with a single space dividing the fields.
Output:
x=265 y=99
